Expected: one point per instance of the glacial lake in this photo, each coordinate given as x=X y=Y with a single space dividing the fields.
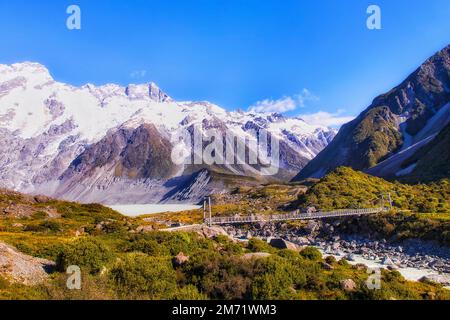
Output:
x=135 y=210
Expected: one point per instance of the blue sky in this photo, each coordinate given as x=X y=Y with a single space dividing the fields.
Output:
x=311 y=55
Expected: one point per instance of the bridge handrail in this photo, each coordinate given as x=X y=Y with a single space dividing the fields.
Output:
x=292 y=216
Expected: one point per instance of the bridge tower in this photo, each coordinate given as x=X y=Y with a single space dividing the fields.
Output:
x=207 y=209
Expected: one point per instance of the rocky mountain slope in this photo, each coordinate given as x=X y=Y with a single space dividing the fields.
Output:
x=113 y=144
x=395 y=127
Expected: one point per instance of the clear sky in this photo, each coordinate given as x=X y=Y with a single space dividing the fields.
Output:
x=311 y=55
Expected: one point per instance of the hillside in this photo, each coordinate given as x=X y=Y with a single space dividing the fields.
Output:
x=405 y=118
x=346 y=188
x=119 y=260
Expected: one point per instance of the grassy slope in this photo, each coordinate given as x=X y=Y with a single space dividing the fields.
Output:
x=138 y=266
x=420 y=211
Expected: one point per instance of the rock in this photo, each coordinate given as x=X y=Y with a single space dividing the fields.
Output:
x=283 y=244
x=41 y=199
x=431 y=295
x=312 y=226
x=360 y=266
x=392 y=268
x=326 y=266
x=303 y=241
x=443 y=279
x=350 y=257
x=348 y=285
x=21 y=268
x=143 y=229
x=336 y=246
x=180 y=259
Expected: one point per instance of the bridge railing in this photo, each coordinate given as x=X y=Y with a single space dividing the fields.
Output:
x=291 y=216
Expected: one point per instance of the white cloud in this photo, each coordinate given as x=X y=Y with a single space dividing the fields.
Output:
x=284 y=104
x=137 y=74
x=327 y=119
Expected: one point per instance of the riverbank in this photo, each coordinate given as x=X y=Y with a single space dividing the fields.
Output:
x=414 y=259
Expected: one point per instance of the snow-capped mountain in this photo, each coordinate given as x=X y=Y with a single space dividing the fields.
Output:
x=113 y=144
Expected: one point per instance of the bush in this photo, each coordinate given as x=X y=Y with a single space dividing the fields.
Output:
x=150 y=247
x=311 y=253
x=257 y=245
x=87 y=253
x=277 y=278
x=139 y=275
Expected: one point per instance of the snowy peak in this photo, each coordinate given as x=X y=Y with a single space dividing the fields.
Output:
x=123 y=135
x=144 y=91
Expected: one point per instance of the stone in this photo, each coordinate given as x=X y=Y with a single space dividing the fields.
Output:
x=326 y=266
x=387 y=261
x=22 y=268
x=350 y=257
x=41 y=199
x=283 y=244
x=348 y=285
x=443 y=279
x=180 y=259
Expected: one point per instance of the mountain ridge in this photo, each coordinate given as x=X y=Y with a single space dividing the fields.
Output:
x=413 y=111
x=56 y=138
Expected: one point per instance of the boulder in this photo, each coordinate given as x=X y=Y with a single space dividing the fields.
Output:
x=21 y=268
x=42 y=199
x=443 y=279
x=180 y=259
x=283 y=244
x=326 y=266
x=348 y=285
x=350 y=257
x=143 y=229
x=387 y=261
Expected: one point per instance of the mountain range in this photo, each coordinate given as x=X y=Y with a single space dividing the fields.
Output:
x=113 y=144
x=403 y=134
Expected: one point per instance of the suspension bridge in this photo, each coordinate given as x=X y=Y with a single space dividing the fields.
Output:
x=296 y=215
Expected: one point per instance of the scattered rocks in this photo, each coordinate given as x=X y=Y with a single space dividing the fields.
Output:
x=409 y=253
x=21 y=268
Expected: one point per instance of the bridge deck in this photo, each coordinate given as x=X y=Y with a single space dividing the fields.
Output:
x=291 y=216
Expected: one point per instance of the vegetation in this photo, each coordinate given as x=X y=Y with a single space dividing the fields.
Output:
x=346 y=188
x=119 y=262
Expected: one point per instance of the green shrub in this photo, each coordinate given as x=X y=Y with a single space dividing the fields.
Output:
x=87 y=253
x=258 y=245
x=311 y=254
x=150 y=247
x=139 y=275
